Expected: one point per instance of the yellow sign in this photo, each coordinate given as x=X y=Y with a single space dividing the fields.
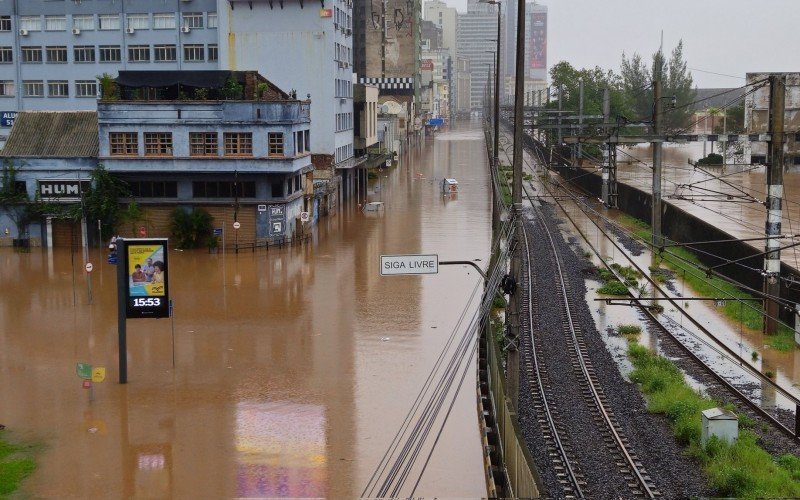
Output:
x=98 y=373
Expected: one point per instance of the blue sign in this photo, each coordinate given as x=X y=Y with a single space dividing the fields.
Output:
x=7 y=118
x=217 y=231
x=436 y=121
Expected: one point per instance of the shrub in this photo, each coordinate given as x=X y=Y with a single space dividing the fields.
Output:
x=191 y=229
x=629 y=329
x=613 y=288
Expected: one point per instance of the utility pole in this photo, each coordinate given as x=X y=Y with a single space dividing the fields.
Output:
x=497 y=93
x=656 y=205
x=772 y=260
x=516 y=197
x=607 y=149
x=580 y=115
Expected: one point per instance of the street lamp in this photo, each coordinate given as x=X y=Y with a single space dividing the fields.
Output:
x=496 y=85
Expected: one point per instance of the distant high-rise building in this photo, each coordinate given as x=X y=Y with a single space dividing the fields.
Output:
x=437 y=12
x=476 y=40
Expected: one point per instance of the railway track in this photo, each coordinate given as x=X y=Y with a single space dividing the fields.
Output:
x=752 y=408
x=617 y=445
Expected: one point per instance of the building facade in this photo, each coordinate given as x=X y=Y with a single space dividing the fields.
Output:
x=52 y=52
x=756 y=117
x=437 y=12
x=476 y=30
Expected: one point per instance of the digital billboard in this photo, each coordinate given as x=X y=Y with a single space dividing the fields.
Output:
x=147 y=270
x=538 y=39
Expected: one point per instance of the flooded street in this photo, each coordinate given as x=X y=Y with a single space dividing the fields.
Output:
x=293 y=368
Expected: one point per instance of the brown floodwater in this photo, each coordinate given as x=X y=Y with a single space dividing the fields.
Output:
x=293 y=368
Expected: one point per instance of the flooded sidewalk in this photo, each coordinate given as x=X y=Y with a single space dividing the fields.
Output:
x=293 y=368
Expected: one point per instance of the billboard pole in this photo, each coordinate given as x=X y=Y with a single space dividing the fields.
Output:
x=122 y=288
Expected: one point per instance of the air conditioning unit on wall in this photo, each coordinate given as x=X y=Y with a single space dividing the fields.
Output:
x=186 y=29
x=23 y=32
x=76 y=31
x=130 y=31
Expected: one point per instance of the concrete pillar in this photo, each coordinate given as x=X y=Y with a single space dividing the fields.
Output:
x=49 y=232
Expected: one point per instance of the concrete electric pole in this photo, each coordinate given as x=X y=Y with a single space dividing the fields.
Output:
x=772 y=260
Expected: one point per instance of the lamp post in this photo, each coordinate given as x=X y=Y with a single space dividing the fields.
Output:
x=496 y=85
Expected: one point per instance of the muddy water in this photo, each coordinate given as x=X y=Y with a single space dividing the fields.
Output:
x=292 y=370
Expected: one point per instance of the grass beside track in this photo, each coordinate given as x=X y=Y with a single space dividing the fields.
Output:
x=687 y=266
x=742 y=469
x=15 y=465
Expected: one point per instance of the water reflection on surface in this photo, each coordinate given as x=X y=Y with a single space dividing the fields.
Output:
x=283 y=384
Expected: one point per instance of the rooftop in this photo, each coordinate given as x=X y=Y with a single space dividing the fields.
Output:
x=53 y=134
x=192 y=85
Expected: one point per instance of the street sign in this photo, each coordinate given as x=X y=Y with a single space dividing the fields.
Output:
x=142 y=232
x=236 y=225
x=305 y=217
x=98 y=373
x=89 y=267
x=84 y=370
x=392 y=265
x=87 y=384
x=217 y=231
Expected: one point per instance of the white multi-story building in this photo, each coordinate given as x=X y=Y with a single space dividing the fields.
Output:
x=52 y=51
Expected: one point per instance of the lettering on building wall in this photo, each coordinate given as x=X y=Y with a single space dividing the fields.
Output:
x=59 y=190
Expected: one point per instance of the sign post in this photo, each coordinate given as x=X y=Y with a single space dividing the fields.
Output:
x=142 y=287
x=393 y=265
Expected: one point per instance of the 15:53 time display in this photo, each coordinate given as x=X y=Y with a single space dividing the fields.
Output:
x=146 y=302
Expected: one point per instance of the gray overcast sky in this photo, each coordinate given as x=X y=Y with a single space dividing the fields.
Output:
x=722 y=36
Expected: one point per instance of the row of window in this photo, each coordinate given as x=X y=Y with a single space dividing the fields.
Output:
x=343 y=53
x=344 y=88
x=203 y=144
x=211 y=189
x=343 y=153
x=107 y=22
x=192 y=52
x=55 y=88
x=344 y=121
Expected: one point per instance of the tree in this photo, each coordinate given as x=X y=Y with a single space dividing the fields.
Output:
x=14 y=201
x=678 y=83
x=636 y=86
x=102 y=200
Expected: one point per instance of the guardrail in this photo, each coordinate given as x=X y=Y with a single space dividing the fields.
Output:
x=510 y=469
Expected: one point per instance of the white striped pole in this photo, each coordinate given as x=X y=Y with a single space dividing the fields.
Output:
x=772 y=259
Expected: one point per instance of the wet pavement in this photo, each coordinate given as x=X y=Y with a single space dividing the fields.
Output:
x=293 y=368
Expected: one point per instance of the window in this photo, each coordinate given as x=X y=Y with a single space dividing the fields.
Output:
x=83 y=23
x=32 y=88
x=212 y=19
x=165 y=52
x=193 y=20
x=213 y=52
x=153 y=189
x=164 y=21
x=277 y=189
x=58 y=88
x=223 y=189
x=138 y=53
x=110 y=53
x=85 y=88
x=30 y=23
x=109 y=21
x=84 y=53
x=5 y=23
x=139 y=21
x=158 y=143
x=203 y=144
x=275 y=143
x=123 y=143
x=238 y=143
x=307 y=142
x=193 y=53
x=55 y=23
x=298 y=143
x=6 y=88
x=6 y=54
x=31 y=54
x=56 y=54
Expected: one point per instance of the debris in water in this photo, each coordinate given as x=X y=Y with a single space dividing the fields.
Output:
x=384 y=339
x=92 y=430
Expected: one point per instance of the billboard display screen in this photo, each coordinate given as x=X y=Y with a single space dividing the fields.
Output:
x=538 y=40
x=147 y=271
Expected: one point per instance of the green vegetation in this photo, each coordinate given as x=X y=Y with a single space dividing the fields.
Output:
x=14 y=199
x=629 y=330
x=612 y=286
x=102 y=201
x=498 y=302
x=741 y=469
x=109 y=90
x=191 y=229
x=15 y=465
x=711 y=159
x=687 y=265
